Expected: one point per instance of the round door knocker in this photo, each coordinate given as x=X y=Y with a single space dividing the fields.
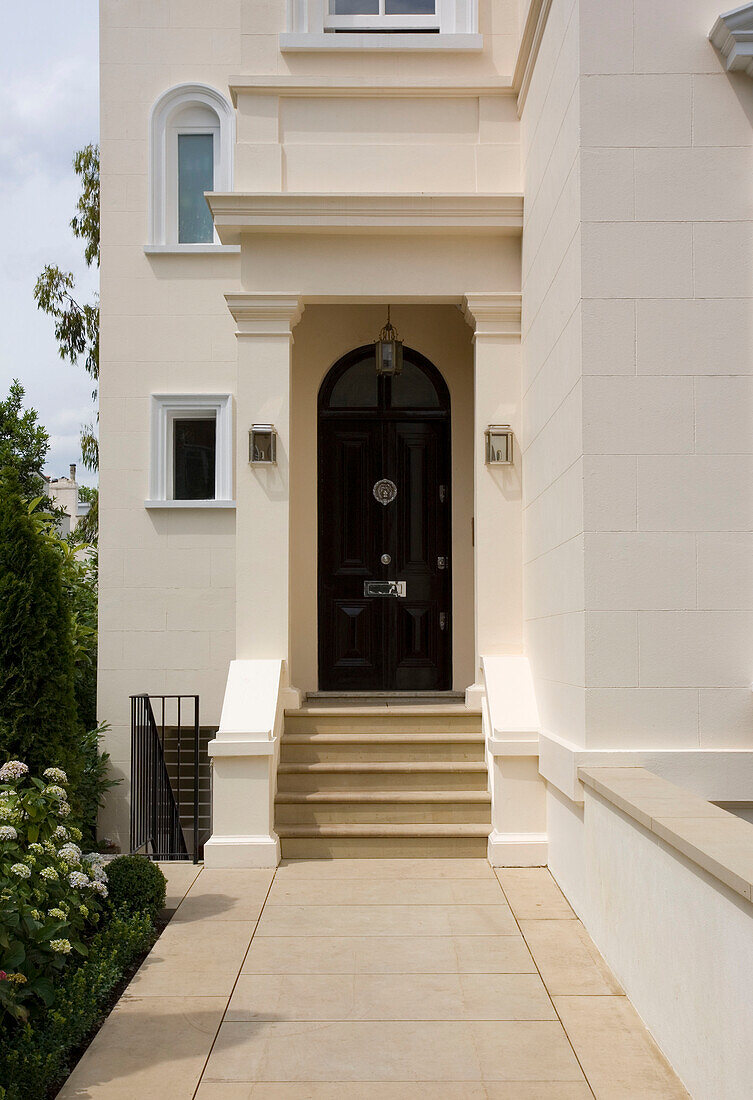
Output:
x=385 y=491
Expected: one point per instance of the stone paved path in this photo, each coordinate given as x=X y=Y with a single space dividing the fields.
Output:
x=372 y=980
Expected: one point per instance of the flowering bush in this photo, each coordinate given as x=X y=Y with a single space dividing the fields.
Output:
x=51 y=894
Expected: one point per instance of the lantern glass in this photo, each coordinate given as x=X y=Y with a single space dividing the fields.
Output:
x=499 y=445
x=262 y=445
x=389 y=356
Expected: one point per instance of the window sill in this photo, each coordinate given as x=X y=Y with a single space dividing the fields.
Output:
x=183 y=249
x=363 y=42
x=189 y=504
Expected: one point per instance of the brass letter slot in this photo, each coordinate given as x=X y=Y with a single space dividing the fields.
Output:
x=385 y=588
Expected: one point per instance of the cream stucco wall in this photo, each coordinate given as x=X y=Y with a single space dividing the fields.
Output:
x=169 y=578
x=638 y=399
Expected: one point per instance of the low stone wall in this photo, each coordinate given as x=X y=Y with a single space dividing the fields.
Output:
x=666 y=895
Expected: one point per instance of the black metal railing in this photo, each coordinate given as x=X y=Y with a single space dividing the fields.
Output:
x=165 y=776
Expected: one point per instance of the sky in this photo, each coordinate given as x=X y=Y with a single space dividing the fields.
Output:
x=49 y=89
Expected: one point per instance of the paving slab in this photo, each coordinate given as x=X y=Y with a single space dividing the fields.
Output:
x=373 y=980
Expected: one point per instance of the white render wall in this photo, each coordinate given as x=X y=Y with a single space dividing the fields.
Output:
x=638 y=383
x=667 y=278
x=553 y=464
x=168 y=577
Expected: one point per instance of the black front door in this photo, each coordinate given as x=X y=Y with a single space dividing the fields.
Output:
x=384 y=528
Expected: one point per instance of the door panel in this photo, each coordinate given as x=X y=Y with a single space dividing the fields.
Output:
x=377 y=643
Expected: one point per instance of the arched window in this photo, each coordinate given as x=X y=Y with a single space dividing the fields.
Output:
x=192 y=139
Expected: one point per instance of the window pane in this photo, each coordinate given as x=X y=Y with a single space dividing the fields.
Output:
x=194 y=446
x=409 y=7
x=412 y=389
x=354 y=7
x=357 y=387
x=195 y=176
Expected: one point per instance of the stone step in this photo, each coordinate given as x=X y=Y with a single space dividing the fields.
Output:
x=381 y=721
x=391 y=775
x=408 y=748
x=407 y=843
x=387 y=812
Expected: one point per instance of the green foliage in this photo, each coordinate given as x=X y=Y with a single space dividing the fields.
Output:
x=50 y=894
x=36 y=1057
x=85 y=224
x=136 y=884
x=95 y=782
x=88 y=525
x=23 y=442
x=79 y=573
x=38 y=718
x=77 y=323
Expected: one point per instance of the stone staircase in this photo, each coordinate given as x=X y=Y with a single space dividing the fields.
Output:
x=382 y=781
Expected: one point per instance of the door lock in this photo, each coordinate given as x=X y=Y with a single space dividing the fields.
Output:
x=441 y=563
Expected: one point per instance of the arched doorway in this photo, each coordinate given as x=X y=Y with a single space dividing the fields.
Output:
x=385 y=589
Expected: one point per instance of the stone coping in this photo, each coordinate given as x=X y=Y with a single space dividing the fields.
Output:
x=714 y=839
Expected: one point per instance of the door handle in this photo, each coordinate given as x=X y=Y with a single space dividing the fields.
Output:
x=399 y=589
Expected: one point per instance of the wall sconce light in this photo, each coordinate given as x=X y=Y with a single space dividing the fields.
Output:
x=499 y=445
x=389 y=350
x=262 y=445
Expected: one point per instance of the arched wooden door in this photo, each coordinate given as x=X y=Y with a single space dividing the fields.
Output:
x=385 y=539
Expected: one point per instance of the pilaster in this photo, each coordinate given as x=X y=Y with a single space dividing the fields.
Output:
x=495 y=319
x=265 y=324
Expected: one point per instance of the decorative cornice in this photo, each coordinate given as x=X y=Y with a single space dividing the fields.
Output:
x=493 y=314
x=237 y=213
x=357 y=87
x=265 y=314
x=528 y=52
x=732 y=34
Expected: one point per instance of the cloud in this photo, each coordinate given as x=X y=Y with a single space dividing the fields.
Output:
x=49 y=87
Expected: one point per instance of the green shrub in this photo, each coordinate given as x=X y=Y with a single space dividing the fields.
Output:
x=36 y=1056
x=136 y=884
x=95 y=782
x=38 y=717
x=51 y=895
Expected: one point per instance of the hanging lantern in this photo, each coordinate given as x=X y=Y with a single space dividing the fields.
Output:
x=389 y=350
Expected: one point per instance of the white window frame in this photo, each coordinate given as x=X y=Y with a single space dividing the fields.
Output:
x=311 y=27
x=381 y=21
x=164 y=127
x=166 y=409
x=172 y=192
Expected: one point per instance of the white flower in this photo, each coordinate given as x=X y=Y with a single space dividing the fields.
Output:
x=37 y=849
x=57 y=913
x=55 y=775
x=21 y=870
x=7 y=832
x=71 y=853
x=78 y=880
x=60 y=833
x=14 y=769
x=55 y=792
x=99 y=888
x=61 y=947
x=49 y=873
x=76 y=834
x=63 y=809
